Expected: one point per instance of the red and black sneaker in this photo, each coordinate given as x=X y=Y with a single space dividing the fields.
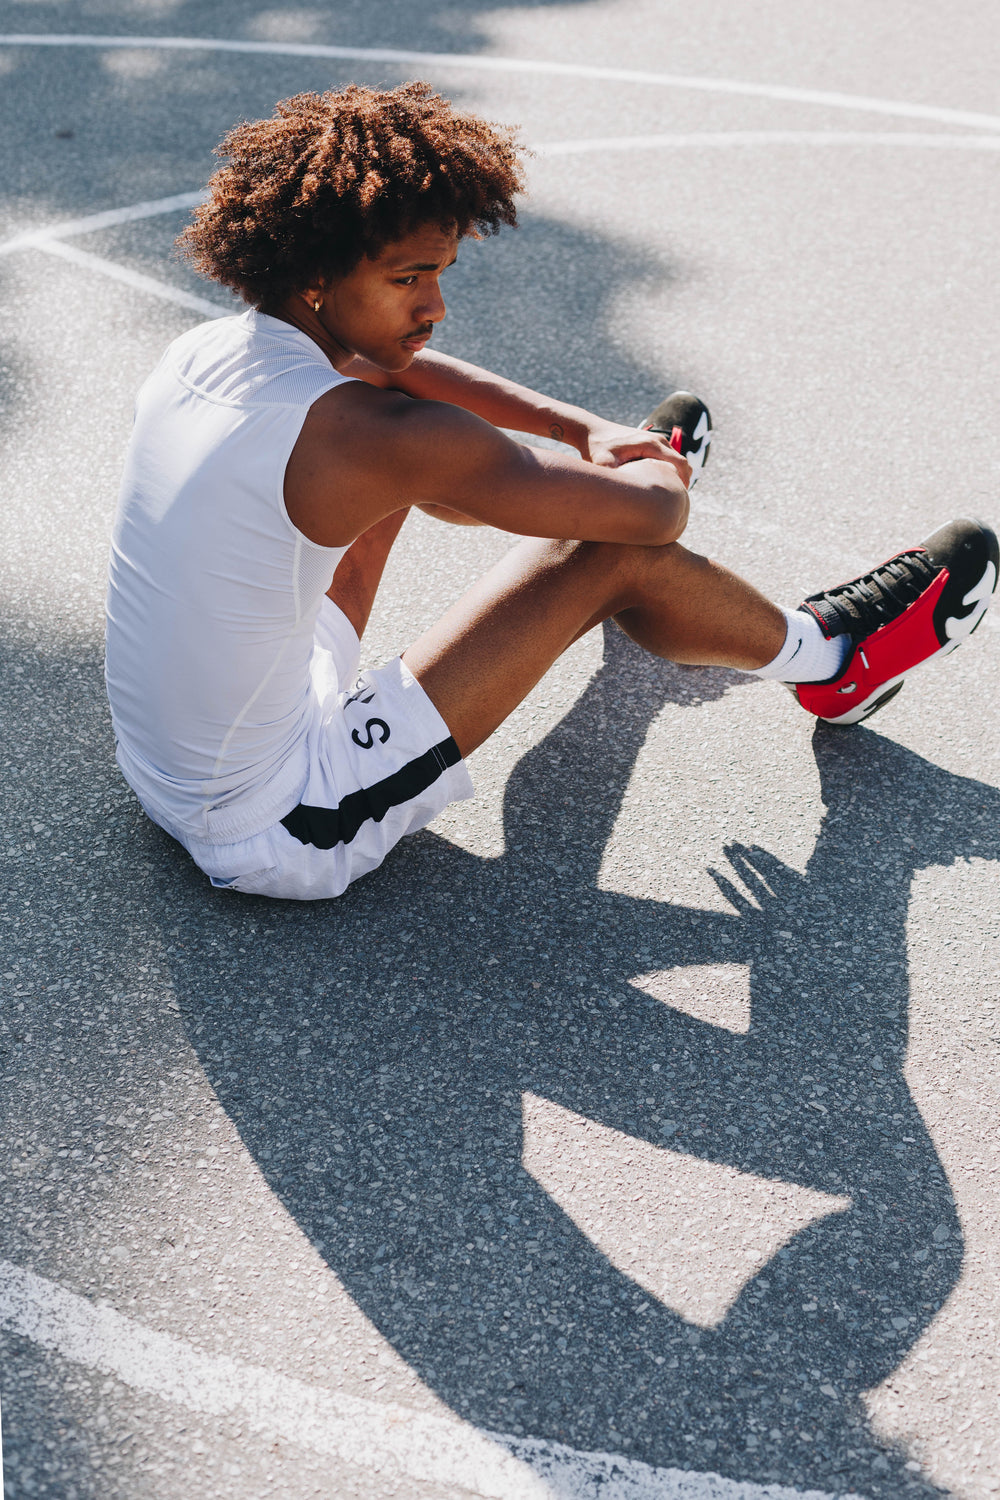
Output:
x=686 y=420
x=918 y=605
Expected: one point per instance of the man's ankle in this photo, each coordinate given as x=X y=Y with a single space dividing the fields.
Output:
x=808 y=655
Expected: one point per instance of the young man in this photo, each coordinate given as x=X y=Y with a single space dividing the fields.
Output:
x=275 y=456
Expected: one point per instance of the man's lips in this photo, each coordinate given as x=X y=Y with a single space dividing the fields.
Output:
x=417 y=340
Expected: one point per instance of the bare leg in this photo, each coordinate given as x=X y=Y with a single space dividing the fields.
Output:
x=359 y=573
x=481 y=659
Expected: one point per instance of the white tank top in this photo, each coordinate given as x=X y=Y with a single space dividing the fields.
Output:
x=213 y=593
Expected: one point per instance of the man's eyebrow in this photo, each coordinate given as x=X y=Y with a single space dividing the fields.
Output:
x=430 y=265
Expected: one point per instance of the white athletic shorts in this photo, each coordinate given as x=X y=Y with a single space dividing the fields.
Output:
x=382 y=763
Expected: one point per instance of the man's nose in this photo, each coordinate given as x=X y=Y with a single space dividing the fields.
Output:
x=432 y=308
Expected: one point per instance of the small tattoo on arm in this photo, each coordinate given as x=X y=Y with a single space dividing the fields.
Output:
x=555 y=431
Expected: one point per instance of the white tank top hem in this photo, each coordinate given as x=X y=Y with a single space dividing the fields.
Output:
x=214 y=594
x=222 y=826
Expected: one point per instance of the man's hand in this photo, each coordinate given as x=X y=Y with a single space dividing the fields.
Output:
x=609 y=445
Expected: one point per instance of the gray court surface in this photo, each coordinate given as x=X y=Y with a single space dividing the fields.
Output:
x=633 y=1133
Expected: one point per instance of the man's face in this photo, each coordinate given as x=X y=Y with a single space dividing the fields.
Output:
x=385 y=309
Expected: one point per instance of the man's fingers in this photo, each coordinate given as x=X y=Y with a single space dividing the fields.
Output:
x=683 y=468
x=661 y=451
x=612 y=446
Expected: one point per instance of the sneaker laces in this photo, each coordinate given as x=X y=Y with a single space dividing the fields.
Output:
x=864 y=605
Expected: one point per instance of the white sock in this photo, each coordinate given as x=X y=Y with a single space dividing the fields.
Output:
x=807 y=655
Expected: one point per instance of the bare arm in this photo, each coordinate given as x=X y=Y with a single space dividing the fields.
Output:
x=365 y=453
x=504 y=403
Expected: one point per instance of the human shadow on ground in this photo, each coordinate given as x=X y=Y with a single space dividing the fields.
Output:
x=373 y=1054
x=560 y=282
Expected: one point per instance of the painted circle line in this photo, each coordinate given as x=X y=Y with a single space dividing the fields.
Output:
x=490 y=64
x=428 y=1447
x=681 y=140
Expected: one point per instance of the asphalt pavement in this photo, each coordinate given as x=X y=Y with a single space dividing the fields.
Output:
x=633 y=1132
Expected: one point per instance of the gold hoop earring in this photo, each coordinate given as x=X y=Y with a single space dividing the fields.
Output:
x=317 y=305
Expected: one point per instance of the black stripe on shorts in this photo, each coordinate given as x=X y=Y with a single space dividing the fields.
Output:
x=326 y=827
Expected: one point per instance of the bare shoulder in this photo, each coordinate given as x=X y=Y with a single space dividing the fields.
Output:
x=353 y=411
x=331 y=481
x=364 y=453
x=352 y=415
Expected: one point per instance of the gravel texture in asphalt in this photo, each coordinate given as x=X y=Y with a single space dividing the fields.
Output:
x=641 y=1111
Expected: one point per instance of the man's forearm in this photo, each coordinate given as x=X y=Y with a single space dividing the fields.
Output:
x=504 y=403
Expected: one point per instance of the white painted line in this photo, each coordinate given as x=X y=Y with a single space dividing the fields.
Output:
x=677 y=140
x=899 y=109
x=106 y=220
x=134 y=279
x=399 y=1441
x=45 y=238
x=603 y=1476
x=685 y=140
x=396 y=1441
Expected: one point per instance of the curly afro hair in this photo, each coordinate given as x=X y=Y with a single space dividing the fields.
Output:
x=333 y=177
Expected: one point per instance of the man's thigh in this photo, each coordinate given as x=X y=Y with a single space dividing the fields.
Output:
x=482 y=658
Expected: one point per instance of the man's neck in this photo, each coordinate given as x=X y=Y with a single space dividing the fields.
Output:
x=297 y=311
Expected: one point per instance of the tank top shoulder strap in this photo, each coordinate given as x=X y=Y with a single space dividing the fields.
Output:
x=253 y=360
